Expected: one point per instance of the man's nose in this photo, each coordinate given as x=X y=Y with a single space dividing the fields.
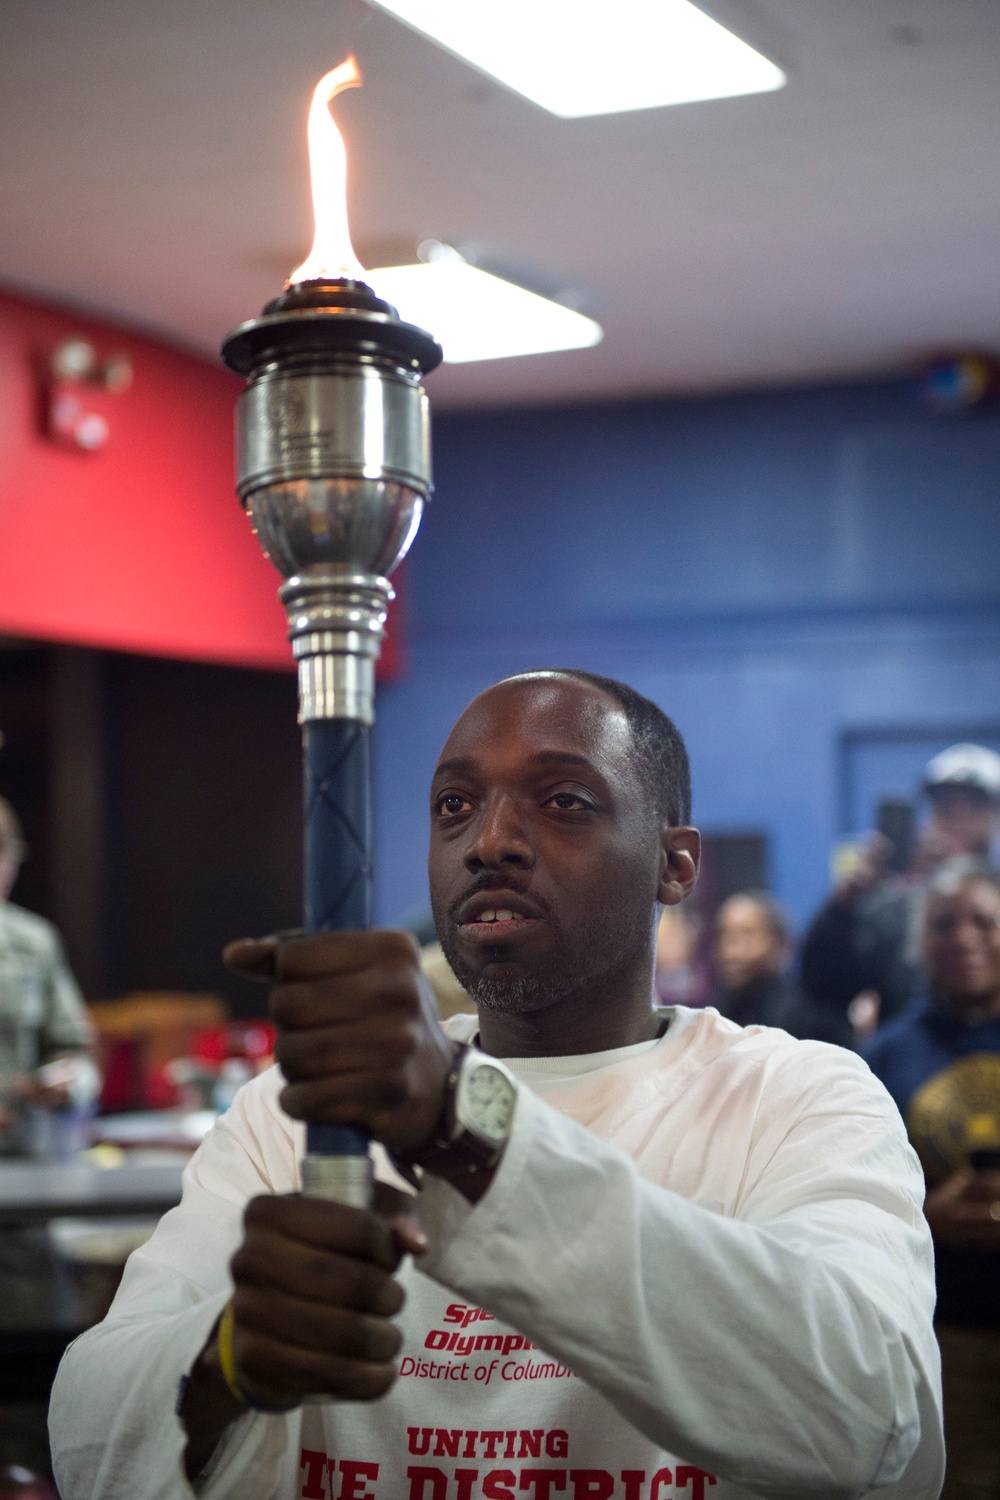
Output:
x=500 y=838
x=968 y=934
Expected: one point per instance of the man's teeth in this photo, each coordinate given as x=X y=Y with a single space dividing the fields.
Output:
x=496 y=916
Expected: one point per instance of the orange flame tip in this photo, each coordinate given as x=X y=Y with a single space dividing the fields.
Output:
x=332 y=255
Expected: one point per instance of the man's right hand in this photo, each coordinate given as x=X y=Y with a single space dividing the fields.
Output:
x=313 y=1300
x=870 y=869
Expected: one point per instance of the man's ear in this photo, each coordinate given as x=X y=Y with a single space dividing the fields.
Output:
x=680 y=856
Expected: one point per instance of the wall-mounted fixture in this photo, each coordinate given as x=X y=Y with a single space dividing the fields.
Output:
x=77 y=382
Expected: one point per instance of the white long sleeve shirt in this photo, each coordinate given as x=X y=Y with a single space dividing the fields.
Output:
x=701 y=1272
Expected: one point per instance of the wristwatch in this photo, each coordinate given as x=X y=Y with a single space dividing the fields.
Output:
x=476 y=1121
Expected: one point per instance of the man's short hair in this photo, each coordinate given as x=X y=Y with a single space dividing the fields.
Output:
x=661 y=755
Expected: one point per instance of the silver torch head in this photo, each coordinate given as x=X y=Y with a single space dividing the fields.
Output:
x=334 y=468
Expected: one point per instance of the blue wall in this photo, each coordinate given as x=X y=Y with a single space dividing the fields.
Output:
x=774 y=569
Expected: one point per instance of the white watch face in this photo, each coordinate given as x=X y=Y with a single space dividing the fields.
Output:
x=487 y=1103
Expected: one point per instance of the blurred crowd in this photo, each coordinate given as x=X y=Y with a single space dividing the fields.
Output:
x=902 y=962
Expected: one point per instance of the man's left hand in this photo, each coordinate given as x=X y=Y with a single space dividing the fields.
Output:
x=359 y=1037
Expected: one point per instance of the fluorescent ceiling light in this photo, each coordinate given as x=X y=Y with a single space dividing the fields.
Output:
x=594 y=57
x=475 y=315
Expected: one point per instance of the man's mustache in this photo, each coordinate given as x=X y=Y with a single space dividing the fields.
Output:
x=496 y=880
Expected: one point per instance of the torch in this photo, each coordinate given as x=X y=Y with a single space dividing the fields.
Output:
x=333 y=468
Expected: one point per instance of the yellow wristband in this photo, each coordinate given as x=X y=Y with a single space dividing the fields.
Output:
x=227 y=1364
x=224 y=1344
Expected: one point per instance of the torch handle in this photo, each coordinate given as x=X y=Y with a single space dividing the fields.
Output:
x=338 y=897
x=338 y=824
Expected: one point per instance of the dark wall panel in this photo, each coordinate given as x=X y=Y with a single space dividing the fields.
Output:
x=161 y=801
x=25 y=762
x=205 y=830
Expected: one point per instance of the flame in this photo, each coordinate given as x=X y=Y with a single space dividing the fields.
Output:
x=332 y=255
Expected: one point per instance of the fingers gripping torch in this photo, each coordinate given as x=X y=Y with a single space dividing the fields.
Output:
x=333 y=467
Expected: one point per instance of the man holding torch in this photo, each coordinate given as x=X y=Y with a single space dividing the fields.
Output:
x=649 y=1255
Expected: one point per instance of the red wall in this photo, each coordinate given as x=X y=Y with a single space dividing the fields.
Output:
x=141 y=546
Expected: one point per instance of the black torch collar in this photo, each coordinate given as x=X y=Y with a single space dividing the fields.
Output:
x=322 y=318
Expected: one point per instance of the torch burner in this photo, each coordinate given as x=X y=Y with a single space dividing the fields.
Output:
x=333 y=467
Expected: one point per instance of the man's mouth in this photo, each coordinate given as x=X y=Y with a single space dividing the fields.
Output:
x=487 y=918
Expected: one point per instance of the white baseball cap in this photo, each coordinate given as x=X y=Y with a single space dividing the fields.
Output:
x=971 y=766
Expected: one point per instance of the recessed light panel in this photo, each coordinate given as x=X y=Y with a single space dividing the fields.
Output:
x=475 y=315
x=592 y=57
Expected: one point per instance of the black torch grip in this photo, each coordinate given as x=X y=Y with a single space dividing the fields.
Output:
x=338 y=861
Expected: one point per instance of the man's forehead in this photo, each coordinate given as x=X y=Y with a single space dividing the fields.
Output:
x=970 y=890
x=742 y=909
x=955 y=795
x=527 y=714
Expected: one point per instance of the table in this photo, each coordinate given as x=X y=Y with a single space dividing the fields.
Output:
x=33 y=1191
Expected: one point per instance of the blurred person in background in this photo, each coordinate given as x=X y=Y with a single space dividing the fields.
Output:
x=941 y=1063
x=864 y=940
x=46 y=1074
x=680 y=976
x=753 y=961
x=45 y=1034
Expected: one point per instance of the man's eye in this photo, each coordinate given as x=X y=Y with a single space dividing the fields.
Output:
x=567 y=802
x=451 y=804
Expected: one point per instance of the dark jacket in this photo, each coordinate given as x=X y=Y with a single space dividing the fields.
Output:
x=959 y=1066
x=780 y=1001
x=863 y=945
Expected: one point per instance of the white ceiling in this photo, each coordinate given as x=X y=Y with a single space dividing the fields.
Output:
x=152 y=167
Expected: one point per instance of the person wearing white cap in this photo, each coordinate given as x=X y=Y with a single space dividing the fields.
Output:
x=863 y=938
